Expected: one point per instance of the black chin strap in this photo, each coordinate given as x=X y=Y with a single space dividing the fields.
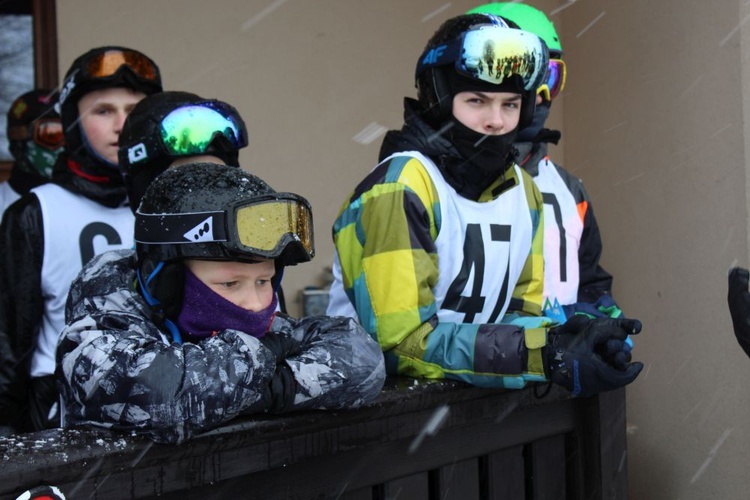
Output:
x=167 y=296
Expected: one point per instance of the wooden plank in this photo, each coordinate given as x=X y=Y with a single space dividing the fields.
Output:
x=602 y=440
x=406 y=488
x=458 y=480
x=505 y=474
x=547 y=468
x=360 y=494
x=613 y=444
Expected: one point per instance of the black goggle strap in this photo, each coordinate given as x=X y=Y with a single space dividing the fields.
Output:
x=198 y=227
x=253 y=226
x=447 y=53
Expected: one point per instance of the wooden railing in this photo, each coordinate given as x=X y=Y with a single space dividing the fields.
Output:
x=436 y=440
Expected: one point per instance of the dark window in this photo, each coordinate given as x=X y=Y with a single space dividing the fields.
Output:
x=28 y=57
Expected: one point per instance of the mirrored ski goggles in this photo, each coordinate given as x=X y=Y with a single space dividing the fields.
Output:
x=190 y=129
x=108 y=63
x=493 y=54
x=555 y=80
x=262 y=227
x=46 y=132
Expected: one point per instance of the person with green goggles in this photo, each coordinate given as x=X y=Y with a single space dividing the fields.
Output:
x=172 y=128
x=182 y=334
x=438 y=251
x=574 y=280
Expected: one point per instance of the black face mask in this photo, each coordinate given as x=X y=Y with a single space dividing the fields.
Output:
x=484 y=158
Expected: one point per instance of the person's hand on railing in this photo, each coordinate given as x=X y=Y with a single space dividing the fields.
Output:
x=739 y=306
x=588 y=356
x=281 y=344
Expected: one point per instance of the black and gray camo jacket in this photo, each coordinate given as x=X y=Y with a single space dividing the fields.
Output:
x=117 y=369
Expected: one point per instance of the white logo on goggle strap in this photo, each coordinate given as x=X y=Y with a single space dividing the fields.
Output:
x=202 y=232
x=67 y=88
x=137 y=153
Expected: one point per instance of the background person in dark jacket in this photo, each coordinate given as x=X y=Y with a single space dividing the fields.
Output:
x=738 y=298
x=574 y=280
x=172 y=128
x=198 y=341
x=48 y=234
x=35 y=138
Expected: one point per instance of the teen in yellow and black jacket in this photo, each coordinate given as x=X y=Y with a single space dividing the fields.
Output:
x=439 y=248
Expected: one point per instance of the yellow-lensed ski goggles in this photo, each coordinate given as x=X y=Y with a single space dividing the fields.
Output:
x=493 y=54
x=261 y=227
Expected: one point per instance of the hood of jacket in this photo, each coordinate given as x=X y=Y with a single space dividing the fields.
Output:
x=416 y=135
x=530 y=153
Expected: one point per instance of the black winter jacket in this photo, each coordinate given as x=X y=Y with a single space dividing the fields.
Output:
x=21 y=302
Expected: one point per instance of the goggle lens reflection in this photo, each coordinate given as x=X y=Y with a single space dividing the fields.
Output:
x=190 y=129
x=493 y=54
x=45 y=132
x=107 y=64
x=555 y=81
x=49 y=133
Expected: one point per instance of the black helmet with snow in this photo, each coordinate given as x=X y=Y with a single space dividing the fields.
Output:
x=208 y=211
x=479 y=52
x=170 y=125
x=101 y=68
x=217 y=212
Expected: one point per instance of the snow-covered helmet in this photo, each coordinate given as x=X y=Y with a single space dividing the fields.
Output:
x=214 y=212
x=170 y=125
x=34 y=131
x=97 y=69
x=484 y=50
x=531 y=19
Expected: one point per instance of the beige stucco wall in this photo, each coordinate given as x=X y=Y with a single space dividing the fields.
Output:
x=655 y=126
x=653 y=123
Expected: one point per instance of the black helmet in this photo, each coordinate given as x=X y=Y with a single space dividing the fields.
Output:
x=97 y=69
x=34 y=131
x=214 y=212
x=170 y=125
x=479 y=51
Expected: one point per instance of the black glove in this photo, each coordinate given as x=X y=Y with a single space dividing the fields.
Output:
x=588 y=356
x=739 y=306
x=278 y=397
x=616 y=353
x=281 y=344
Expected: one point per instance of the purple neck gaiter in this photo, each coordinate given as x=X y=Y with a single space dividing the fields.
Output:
x=205 y=313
